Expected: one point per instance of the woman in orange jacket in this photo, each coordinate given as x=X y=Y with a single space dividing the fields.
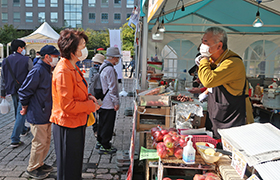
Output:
x=71 y=105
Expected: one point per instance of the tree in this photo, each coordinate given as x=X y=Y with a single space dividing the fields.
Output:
x=127 y=38
x=96 y=39
x=9 y=33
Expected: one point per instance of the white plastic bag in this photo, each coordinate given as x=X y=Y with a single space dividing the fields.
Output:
x=5 y=107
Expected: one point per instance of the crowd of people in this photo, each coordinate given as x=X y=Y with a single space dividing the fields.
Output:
x=49 y=90
x=52 y=91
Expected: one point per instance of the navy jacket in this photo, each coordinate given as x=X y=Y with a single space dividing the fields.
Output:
x=36 y=93
x=19 y=66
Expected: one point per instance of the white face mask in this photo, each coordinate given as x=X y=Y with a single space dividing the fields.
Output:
x=204 y=50
x=38 y=56
x=84 y=54
x=23 y=52
x=54 y=61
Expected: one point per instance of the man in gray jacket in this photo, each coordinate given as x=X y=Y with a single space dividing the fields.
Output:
x=111 y=104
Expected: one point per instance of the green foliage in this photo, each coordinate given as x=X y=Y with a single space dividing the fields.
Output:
x=9 y=33
x=96 y=39
x=128 y=38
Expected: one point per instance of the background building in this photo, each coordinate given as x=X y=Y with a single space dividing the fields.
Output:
x=94 y=14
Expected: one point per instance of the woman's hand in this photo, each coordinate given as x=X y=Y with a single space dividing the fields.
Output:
x=91 y=97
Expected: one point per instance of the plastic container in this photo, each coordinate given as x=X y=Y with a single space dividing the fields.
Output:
x=202 y=138
x=210 y=158
x=274 y=85
x=189 y=152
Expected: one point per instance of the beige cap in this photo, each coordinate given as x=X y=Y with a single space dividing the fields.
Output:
x=98 y=58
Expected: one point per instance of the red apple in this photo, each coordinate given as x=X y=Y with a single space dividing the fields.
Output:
x=169 y=142
x=172 y=133
x=160 y=145
x=166 y=136
x=183 y=136
x=164 y=132
x=178 y=152
x=182 y=142
x=154 y=145
x=176 y=139
x=170 y=151
x=211 y=176
x=154 y=129
x=199 y=177
x=161 y=151
x=166 y=178
x=158 y=136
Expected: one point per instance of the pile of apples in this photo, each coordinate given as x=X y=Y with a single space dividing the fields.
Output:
x=207 y=176
x=168 y=142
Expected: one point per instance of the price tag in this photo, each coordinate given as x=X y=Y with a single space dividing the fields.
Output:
x=253 y=177
x=238 y=162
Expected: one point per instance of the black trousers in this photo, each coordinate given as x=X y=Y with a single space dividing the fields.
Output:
x=95 y=125
x=106 y=126
x=69 y=149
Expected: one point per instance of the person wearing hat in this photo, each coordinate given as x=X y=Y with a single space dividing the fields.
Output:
x=19 y=65
x=111 y=103
x=98 y=59
x=35 y=96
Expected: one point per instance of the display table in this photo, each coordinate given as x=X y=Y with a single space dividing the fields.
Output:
x=156 y=167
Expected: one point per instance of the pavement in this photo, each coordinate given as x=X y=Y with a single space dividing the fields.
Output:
x=14 y=161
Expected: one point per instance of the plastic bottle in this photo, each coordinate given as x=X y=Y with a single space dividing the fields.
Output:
x=176 y=85
x=258 y=91
x=251 y=90
x=189 y=152
x=274 y=85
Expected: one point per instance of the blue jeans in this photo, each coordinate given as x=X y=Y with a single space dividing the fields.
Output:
x=20 y=120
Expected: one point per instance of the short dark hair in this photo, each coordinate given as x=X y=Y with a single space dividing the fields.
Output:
x=17 y=43
x=69 y=40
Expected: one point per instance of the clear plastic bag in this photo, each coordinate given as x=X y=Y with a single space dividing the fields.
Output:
x=5 y=107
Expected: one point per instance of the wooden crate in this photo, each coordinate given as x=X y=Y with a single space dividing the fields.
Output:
x=148 y=118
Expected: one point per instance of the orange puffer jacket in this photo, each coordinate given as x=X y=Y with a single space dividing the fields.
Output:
x=70 y=96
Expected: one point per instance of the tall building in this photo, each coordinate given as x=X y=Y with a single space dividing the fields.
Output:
x=94 y=14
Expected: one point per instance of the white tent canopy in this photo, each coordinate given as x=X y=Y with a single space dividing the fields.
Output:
x=45 y=30
x=42 y=36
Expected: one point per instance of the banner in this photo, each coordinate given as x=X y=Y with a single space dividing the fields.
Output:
x=115 y=41
x=126 y=56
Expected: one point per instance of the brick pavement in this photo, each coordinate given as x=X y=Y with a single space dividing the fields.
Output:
x=13 y=162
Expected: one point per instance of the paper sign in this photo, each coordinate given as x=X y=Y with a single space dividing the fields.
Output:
x=148 y=154
x=238 y=163
x=253 y=177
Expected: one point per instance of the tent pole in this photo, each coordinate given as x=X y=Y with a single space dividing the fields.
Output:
x=144 y=54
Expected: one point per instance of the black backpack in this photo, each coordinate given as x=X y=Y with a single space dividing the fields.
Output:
x=96 y=87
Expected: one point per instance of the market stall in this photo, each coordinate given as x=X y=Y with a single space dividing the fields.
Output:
x=164 y=59
x=45 y=34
